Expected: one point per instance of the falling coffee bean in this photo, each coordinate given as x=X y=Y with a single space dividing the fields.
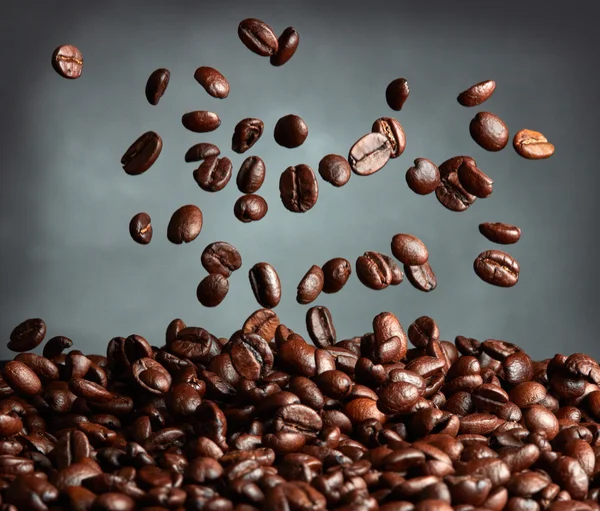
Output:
x=213 y=82
x=394 y=132
x=67 y=61
x=489 y=131
x=27 y=335
x=477 y=94
x=213 y=174
x=140 y=228
x=397 y=93
x=185 y=224
x=310 y=286
x=287 y=46
x=397 y=273
x=409 y=249
x=532 y=145
x=497 y=268
x=335 y=169
x=319 y=325
x=142 y=154
x=222 y=258
x=336 y=273
x=450 y=193
x=290 y=131
x=246 y=134
x=474 y=181
x=373 y=271
x=250 y=208
x=212 y=290
x=258 y=37
x=201 y=121
x=424 y=177
x=369 y=154
x=265 y=285
x=497 y=232
x=201 y=151
x=157 y=85
x=251 y=175
x=298 y=188
x=421 y=277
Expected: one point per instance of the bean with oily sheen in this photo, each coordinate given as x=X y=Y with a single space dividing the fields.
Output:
x=335 y=169
x=394 y=132
x=213 y=174
x=450 y=192
x=489 y=131
x=369 y=154
x=477 y=94
x=67 y=61
x=287 y=44
x=319 y=325
x=298 y=188
x=250 y=208
x=251 y=175
x=397 y=93
x=501 y=233
x=373 y=271
x=421 y=277
x=201 y=121
x=409 y=249
x=474 y=181
x=397 y=273
x=140 y=228
x=185 y=224
x=290 y=131
x=497 y=268
x=212 y=290
x=532 y=145
x=27 y=335
x=336 y=273
x=156 y=85
x=265 y=285
x=201 y=151
x=213 y=82
x=221 y=257
x=423 y=177
x=142 y=154
x=258 y=37
x=310 y=286
x=246 y=133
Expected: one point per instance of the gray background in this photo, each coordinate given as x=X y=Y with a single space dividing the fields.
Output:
x=66 y=202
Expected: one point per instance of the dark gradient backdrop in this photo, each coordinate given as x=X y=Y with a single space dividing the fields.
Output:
x=66 y=203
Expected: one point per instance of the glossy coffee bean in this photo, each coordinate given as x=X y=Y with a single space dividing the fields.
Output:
x=250 y=208
x=287 y=46
x=142 y=154
x=424 y=177
x=310 y=286
x=497 y=268
x=298 y=188
x=319 y=325
x=290 y=131
x=335 y=169
x=450 y=193
x=212 y=290
x=201 y=151
x=140 y=228
x=532 y=145
x=21 y=378
x=498 y=232
x=265 y=285
x=477 y=94
x=474 y=181
x=67 y=61
x=369 y=154
x=213 y=174
x=397 y=273
x=201 y=121
x=409 y=249
x=222 y=258
x=421 y=277
x=27 y=335
x=489 y=131
x=185 y=224
x=423 y=330
x=397 y=93
x=373 y=271
x=156 y=85
x=263 y=322
x=251 y=175
x=213 y=81
x=336 y=273
x=246 y=134
x=394 y=132
x=258 y=37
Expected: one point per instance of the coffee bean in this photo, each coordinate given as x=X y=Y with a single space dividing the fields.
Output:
x=263 y=322
x=310 y=286
x=213 y=82
x=67 y=61
x=251 y=175
x=474 y=181
x=497 y=268
x=497 y=232
x=532 y=145
x=212 y=290
x=142 y=154
x=290 y=131
x=394 y=132
x=213 y=174
x=477 y=94
x=373 y=271
x=222 y=258
x=21 y=378
x=201 y=151
x=409 y=249
x=335 y=169
x=369 y=154
x=157 y=85
x=246 y=134
x=298 y=188
x=421 y=277
x=185 y=225
x=319 y=325
x=27 y=335
x=201 y=121
x=250 y=208
x=450 y=193
x=489 y=131
x=265 y=285
x=423 y=330
x=140 y=228
x=251 y=355
x=258 y=37
x=397 y=273
x=424 y=177
x=287 y=46
x=336 y=273
x=397 y=93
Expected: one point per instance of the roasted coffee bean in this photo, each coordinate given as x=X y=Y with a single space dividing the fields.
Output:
x=265 y=285
x=258 y=37
x=320 y=326
x=222 y=258
x=422 y=331
x=21 y=378
x=424 y=177
x=389 y=342
x=310 y=286
x=67 y=61
x=397 y=273
x=213 y=82
x=28 y=335
x=474 y=181
x=157 y=85
x=287 y=46
x=335 y=169
x=212 y=290
x=201 y=121
x=489 y=131
x=201 y=151
x=246 y=134
x=373 y=271
x=213 y=174
x=263 y=322
x=336 y=273
x=298 y=188
x=532 y=145
x=477 y=94
x=140 y=228
x=251 y=175
x=290 y=131
x=251 y=356
x=142 y=154
x=450 y=193
x=369 y=154
x=250 y=208
x=185 y=225
x=394 y=132
x=497 y=232
x=421 y=277
x=397 y=93
x=497 y=268
x=409 y=249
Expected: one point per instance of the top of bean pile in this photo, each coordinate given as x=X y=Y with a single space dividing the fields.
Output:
x=264 y=419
